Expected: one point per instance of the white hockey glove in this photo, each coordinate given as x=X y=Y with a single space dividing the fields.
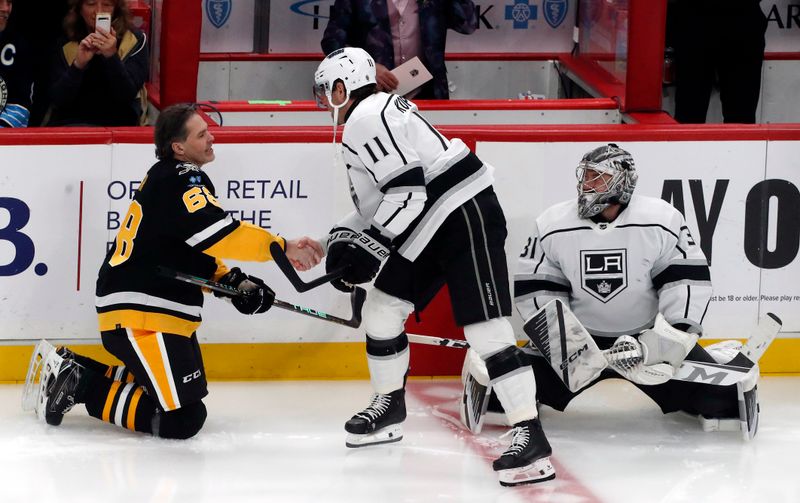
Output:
x=655 y=357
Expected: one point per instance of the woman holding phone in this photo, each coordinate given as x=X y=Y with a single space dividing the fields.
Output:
x=100 y=67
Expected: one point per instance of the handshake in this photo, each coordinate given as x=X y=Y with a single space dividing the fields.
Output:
x=303 y=253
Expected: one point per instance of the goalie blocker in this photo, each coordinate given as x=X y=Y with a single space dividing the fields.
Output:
x=717 y=384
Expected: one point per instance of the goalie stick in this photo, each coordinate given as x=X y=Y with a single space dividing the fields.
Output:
x=282 y=261
x=357 y=298
x=690 y=370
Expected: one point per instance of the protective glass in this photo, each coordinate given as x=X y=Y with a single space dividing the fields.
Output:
x=319 y=96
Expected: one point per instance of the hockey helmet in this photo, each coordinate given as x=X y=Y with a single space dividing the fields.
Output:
x=351 y=65
x=611 y=164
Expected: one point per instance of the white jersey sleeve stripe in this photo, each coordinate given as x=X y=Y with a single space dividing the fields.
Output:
x=389 y=130
x=143 y=299
x=209 y=231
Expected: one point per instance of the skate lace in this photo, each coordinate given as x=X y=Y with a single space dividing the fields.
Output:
x=377 y=407
x=519 y=442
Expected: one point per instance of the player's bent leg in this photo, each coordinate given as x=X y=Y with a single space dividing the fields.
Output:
x=527 y=460
x=181 y=423
x=388 y=358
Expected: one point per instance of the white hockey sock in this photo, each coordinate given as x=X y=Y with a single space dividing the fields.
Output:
x=517 y=394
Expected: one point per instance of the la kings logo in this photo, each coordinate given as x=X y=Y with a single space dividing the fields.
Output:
x=604 y=273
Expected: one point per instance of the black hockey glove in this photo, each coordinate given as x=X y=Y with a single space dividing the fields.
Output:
x=361 y=253
x=258 y=296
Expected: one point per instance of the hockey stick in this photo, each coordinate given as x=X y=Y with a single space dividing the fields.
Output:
x=282 y=261
x=357 y=298
x=690 y=370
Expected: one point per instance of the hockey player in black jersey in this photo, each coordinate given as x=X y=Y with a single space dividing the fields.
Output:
x=632 y=274
x=16 y=72
x=148 y=321
x=424 y=204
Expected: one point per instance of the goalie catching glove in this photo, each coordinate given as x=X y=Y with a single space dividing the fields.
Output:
x=257 y=298
x=654 y=357
x=360 y=253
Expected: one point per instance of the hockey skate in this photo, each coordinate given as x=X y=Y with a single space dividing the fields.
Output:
x=44 y=361
x=380 y=423
x=527 y=459
x=52 y=382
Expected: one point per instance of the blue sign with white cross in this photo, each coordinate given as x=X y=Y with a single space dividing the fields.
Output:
x=520 y=13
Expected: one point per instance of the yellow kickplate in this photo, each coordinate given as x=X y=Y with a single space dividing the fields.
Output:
x=330 y=360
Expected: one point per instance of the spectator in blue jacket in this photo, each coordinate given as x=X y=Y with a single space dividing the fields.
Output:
x=394 y=31
x=98 y=76
x=16 y=73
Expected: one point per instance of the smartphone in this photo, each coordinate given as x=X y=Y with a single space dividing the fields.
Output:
x=102 y=22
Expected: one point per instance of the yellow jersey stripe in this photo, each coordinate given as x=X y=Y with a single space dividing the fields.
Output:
x=248 y=242
x=150 y=353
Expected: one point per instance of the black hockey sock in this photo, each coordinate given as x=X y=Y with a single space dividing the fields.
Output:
x=88 y=363
x=115 y=372
x=124 y=404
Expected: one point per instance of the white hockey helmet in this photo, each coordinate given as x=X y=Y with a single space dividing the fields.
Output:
x=606 y=160
x=351 y=65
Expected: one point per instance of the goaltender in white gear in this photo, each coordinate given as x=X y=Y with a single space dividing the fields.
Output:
x=629 y=269
x=429 y=200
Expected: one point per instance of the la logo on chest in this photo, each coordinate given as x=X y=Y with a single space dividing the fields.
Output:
x=604 y=273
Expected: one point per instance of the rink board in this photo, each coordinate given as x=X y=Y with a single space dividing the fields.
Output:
x=61 y=203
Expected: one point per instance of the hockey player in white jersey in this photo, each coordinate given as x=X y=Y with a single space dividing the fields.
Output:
x=424 y=204
x=633 y=275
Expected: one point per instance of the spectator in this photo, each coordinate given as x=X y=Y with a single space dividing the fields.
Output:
x=98 y=76
x=16 y=69
x=722 y=40
x=45 y=19
x=394 y=31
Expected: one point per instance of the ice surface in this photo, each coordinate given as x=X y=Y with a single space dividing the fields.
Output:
x=284 y=442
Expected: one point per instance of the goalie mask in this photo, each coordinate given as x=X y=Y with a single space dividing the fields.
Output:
x=606 y=176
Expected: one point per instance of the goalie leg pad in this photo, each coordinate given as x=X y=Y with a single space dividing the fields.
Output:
x=749 y=408
x=388 y=354
x=567 y=346
x=476 y=392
